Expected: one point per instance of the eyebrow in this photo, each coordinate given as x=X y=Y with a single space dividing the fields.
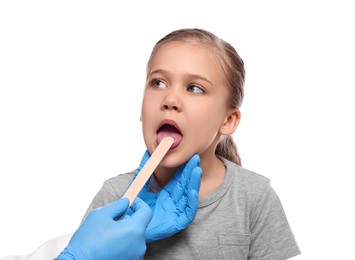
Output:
x=194 y=76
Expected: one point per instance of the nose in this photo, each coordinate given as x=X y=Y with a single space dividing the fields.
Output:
x=172 y=101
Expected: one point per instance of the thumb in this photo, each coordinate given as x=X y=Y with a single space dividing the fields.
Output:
x=142 y=212
x=195 y=179
x=115 y=209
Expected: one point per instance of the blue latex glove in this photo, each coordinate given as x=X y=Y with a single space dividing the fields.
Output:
x=175 y=206
x=102 y=237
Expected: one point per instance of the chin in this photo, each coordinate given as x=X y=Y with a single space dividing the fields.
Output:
x=174 y=160
x=168 y=162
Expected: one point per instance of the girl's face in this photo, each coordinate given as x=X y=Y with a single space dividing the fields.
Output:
x=185 y=97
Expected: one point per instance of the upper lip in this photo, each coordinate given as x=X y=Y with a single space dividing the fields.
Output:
x=169 y=122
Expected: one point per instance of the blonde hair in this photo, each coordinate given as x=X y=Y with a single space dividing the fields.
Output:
x=233 y=67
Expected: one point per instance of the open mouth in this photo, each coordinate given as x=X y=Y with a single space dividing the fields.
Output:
x=169 y=129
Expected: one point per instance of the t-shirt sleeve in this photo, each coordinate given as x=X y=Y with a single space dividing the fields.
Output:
x=271 y=235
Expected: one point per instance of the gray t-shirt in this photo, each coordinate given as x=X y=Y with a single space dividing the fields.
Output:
x=243 y=219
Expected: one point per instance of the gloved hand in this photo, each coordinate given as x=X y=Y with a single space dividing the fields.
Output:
x=175 y=206
x=101 y=237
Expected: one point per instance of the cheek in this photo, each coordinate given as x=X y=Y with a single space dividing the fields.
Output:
x=205 y=122
x=146 y=111
x=203 y=129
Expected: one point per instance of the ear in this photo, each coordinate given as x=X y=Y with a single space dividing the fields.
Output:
x=230 y=122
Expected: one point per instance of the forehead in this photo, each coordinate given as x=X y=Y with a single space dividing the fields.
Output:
x=188 y=57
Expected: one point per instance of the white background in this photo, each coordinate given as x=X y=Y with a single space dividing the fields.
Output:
x=71 y=81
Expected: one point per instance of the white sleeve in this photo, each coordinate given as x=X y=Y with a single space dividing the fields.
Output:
x=48 y=250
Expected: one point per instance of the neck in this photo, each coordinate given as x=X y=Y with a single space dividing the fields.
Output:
x=213 y=172
x=164 y=174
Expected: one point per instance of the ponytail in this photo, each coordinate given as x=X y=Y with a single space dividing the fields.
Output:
x=227 y=149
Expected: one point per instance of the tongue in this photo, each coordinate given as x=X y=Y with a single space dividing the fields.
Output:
x=169 y=130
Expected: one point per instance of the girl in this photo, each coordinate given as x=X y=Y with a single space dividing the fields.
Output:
x=193 y=92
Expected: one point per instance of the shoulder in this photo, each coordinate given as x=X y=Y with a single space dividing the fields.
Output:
x=119 y=182
x=246 y=180
x=248 y=187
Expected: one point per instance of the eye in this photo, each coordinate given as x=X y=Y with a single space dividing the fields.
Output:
x=195 y=89
x=156 y=83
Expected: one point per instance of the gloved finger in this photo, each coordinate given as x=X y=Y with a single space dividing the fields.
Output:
x=115 y=209
x=194 y=188
x=192 y=205
x=193 y=184
x=189 y=202
x=182 y=173
x=172 y=187
x=150 y=198
x=142 y=212
x=190 y=210
x=195 y=179
x=181 y=179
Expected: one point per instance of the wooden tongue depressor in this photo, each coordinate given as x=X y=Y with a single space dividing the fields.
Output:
x=148 y=169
